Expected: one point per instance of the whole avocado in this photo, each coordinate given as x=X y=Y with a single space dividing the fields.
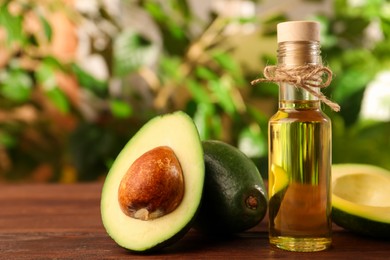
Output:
x=234 y=196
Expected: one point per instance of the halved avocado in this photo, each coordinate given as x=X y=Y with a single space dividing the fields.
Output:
x=234 y=196
x=361 y=199
x=153 y=190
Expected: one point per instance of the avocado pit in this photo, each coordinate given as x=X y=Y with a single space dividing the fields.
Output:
x=153 y=186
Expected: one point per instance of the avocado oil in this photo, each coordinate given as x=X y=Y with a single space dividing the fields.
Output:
x=299 y=149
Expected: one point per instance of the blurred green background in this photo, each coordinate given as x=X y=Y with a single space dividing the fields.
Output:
x=79 y=78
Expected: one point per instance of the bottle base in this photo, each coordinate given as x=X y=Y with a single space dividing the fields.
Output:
x=301 y=244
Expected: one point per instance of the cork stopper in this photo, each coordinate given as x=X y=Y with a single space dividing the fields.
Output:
x=298 y=31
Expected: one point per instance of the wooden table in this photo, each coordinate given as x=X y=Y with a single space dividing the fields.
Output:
x=53 y=221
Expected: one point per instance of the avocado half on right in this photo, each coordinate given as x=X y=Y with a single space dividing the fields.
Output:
x=361 y=199
x=154 y=188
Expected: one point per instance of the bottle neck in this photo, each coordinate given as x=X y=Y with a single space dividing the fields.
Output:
x=295 y=54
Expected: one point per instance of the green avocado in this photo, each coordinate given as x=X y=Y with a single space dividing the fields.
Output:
x=234 y=195
x=154 y=187
x=361 y=199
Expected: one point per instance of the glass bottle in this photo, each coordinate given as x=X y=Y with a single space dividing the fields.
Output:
x=299 y=151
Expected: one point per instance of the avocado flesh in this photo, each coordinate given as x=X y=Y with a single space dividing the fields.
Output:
x=361 y=199
x=178 y=132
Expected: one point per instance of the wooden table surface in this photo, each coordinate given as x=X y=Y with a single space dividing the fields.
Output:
x=54 y=221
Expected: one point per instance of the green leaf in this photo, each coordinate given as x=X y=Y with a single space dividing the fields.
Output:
x=53 y=62
x=349 y=83
x=364 y=142
x=155 y=10
x=260 y=118
x=328 y=39
x=120 y=109
x=59 y=99
x=226 y=61
x=230 y=67
x=13 y=26
x=17 y=86
x=45 y=75
x=7 y=140
x=46 y=28
x=382 y=49
x=207 y=121
x=269 y=25
x=87 y=81
x=353 y=29
x=199 y=94
x=251 y=142
x=131 y=52
x=172 y=25
x=369 y=9
x=176 y=30
x=181 y=7
x=222 y=92
x=205 y=73
x=169 y=67
x=340 y=7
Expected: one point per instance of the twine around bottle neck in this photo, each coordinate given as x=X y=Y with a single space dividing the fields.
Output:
x=301 y=67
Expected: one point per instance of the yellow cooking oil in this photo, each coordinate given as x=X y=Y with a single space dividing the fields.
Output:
x=299 y=177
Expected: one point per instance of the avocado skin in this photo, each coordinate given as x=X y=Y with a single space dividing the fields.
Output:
x=361 y=225
x=230 y=177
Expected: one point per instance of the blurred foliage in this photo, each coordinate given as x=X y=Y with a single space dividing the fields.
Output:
x=51 y=132
x=356 y=45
